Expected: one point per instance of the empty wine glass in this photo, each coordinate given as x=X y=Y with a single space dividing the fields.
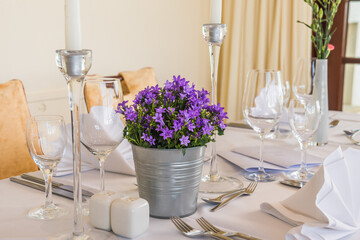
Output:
x=262 y=109
x=303 y=85
x=46 y=141
x=101 y=127
x=304 y=118
x=284 y=132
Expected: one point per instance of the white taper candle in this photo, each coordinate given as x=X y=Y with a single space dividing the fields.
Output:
x=72 y=25
x=215 y=11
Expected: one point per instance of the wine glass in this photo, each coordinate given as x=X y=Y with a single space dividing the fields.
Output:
x=276 y=132
x=46 y=141
x=101 y=127
x=304 y=118
x=262 y=109
x=303 y=86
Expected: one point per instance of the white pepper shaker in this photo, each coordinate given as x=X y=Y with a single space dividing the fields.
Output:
x=129 y=216
x=100 y=204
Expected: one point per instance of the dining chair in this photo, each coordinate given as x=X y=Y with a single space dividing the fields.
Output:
x=132 y=82
x=14 y=113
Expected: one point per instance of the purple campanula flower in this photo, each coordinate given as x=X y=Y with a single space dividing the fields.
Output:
x=168 y=85
x=184 y=115
x=190 y=126
x=166 y=133
x=130 y=114
x=160 y=110
x=177 y=125
x=206 y=129
x=184 y=140
x=159 y=118
x=149 y=139
x=222 y=126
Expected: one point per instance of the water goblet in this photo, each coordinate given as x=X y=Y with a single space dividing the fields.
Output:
x=46 y=141
x=304 y=118
x=101 y=127
x=284 y=132
x=303 y=86
x=262 y=109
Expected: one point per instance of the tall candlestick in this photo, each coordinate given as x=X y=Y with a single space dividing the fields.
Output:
x=215 y=11
x=72 y=25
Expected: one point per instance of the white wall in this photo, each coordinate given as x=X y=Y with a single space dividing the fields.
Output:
x=123 y=35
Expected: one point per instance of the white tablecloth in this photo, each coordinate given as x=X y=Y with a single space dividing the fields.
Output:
x=242 y=215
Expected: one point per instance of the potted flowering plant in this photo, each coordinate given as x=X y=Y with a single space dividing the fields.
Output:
x=175 y=116
x=168 y=129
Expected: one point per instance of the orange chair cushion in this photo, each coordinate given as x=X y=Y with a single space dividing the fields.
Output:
x=14 y=113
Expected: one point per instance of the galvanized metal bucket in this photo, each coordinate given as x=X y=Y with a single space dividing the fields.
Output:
x=168 y=179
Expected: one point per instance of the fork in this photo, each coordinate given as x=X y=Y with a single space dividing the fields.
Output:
x=189 y=231
x=209 y=227
x=218 y=199
x=248 y=190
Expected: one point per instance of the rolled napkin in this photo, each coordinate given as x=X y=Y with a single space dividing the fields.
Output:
x=276 y=158
x=327 y=207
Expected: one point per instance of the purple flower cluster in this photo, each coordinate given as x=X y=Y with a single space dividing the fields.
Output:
x=174 y=116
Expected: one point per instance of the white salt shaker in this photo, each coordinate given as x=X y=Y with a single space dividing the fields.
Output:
x=129 y=216
x=100 y=204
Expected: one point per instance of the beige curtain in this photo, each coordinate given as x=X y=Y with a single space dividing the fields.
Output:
x=262 y=34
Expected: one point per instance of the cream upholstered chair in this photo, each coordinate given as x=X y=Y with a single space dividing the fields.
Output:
x=14 y=113
x=131 y=83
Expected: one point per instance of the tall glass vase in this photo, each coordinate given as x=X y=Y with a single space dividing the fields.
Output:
x=321 y=94
x=74 y=65
x=214 y=34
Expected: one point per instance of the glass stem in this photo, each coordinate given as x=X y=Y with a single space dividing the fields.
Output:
x=48 y=174
x=102 y=173
x=303 y=147
x=261 y=164
x=74 y=87
x=214 y=64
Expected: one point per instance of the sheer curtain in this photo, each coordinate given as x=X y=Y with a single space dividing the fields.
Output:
x=262 y=34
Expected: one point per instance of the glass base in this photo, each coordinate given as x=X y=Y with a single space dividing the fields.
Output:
x=303 y=175
x=219 y=184
x=260 y=176
x=91 y=234
x=46 y=213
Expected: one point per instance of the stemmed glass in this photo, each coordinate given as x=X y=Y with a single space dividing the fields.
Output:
x=214 y=34
x=304 y=118
x=46 y=141
x=303 y=86
x=262 y=109
x=101 y=127
x=276 y=132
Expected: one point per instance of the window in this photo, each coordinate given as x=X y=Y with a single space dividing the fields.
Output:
x=344 y=61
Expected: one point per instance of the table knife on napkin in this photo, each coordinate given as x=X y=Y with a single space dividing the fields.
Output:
x=56 y=191
x=58 y=185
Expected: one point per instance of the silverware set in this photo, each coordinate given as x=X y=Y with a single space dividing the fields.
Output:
x=208 y=230
x=59 y=189
x=230 y=196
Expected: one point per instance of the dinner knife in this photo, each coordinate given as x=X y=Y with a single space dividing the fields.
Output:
x=56 y=191
x=293 y=183
x=58 y=185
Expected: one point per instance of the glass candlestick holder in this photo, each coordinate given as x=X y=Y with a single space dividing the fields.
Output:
x=74 y=65
x=214 y=34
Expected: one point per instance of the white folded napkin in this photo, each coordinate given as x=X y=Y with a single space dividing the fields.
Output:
x=120 y=160
x=328 y=206
x=276 y=158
